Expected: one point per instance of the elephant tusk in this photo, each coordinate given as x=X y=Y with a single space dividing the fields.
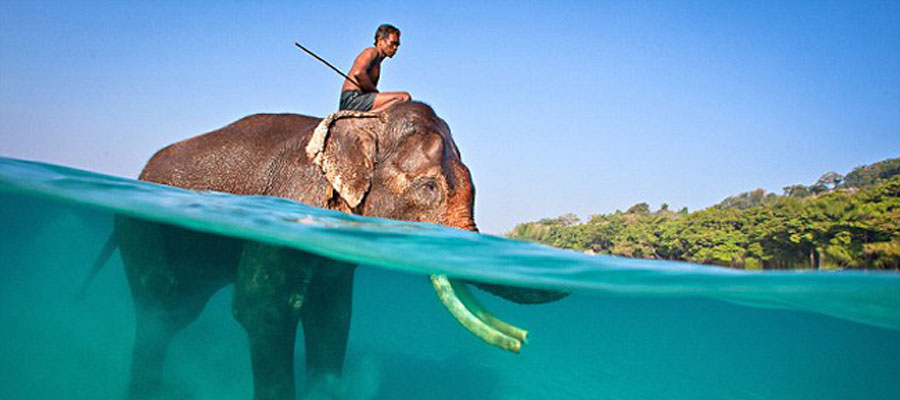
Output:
x=472 y=304
x=447 y=294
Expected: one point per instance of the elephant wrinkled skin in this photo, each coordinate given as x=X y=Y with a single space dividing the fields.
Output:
x=400 y=164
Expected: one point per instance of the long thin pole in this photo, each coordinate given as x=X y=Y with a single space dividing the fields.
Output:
x=328 y=64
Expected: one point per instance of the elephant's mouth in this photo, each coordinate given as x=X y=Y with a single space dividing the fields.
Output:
x=472 y=315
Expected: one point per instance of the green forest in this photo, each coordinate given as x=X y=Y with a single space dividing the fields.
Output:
x=839 y=222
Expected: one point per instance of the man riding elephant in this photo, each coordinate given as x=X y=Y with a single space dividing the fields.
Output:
x=361 y=92
x=401 y=164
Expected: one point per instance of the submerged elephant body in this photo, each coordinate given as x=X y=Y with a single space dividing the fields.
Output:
x=400 y=164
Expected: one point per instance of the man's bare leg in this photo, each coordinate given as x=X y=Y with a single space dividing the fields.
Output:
x=387 y=99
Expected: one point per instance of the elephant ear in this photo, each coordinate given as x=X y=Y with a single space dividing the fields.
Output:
x=344 y=146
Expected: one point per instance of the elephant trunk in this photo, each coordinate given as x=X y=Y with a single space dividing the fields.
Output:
x=461 y=216
x=460 y=212
x=522 y=295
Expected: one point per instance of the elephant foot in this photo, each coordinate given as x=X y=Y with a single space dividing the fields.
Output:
x=143 y=392
x=323 y=387
x=166 y=392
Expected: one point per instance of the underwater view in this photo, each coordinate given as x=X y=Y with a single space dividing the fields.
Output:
x=631 y=329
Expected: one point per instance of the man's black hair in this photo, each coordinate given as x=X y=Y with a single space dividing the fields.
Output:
x=384 y=30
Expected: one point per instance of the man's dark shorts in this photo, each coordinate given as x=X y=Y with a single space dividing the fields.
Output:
x=356 y=100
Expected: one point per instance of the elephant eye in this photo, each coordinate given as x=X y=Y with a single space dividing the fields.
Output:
x=427 y=191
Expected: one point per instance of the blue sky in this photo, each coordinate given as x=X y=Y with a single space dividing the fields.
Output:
x=557 y=107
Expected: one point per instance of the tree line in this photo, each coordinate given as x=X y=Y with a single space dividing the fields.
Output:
x=840 y=221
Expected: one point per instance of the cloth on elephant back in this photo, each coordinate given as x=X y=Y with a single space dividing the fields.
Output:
x=315 y=150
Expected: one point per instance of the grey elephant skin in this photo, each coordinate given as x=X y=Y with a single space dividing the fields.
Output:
x=400 y=164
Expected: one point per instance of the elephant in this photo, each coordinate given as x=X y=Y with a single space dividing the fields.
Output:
x=401 y=163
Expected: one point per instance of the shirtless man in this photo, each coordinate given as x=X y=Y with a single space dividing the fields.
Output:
x=367 y=69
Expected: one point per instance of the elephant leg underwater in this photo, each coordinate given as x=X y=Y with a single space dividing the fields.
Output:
x=171 y=277
x=326 y=325
x=275 y=287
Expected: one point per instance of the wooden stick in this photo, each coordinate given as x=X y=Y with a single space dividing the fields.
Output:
x=328 y=64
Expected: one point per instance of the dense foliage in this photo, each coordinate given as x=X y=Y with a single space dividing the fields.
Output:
x=838 y=222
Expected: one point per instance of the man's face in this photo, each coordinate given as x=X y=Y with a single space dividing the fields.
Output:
x=389 y=44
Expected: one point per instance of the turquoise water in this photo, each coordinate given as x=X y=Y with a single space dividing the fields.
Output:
x=633 y=329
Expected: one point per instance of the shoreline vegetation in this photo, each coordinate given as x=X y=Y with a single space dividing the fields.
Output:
x=839 y=222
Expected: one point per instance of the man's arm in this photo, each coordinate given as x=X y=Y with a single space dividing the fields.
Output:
x=359 y=73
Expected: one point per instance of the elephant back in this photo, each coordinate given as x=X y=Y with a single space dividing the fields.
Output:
x=247 y=157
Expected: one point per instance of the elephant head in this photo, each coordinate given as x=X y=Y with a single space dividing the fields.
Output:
x=403 y=164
